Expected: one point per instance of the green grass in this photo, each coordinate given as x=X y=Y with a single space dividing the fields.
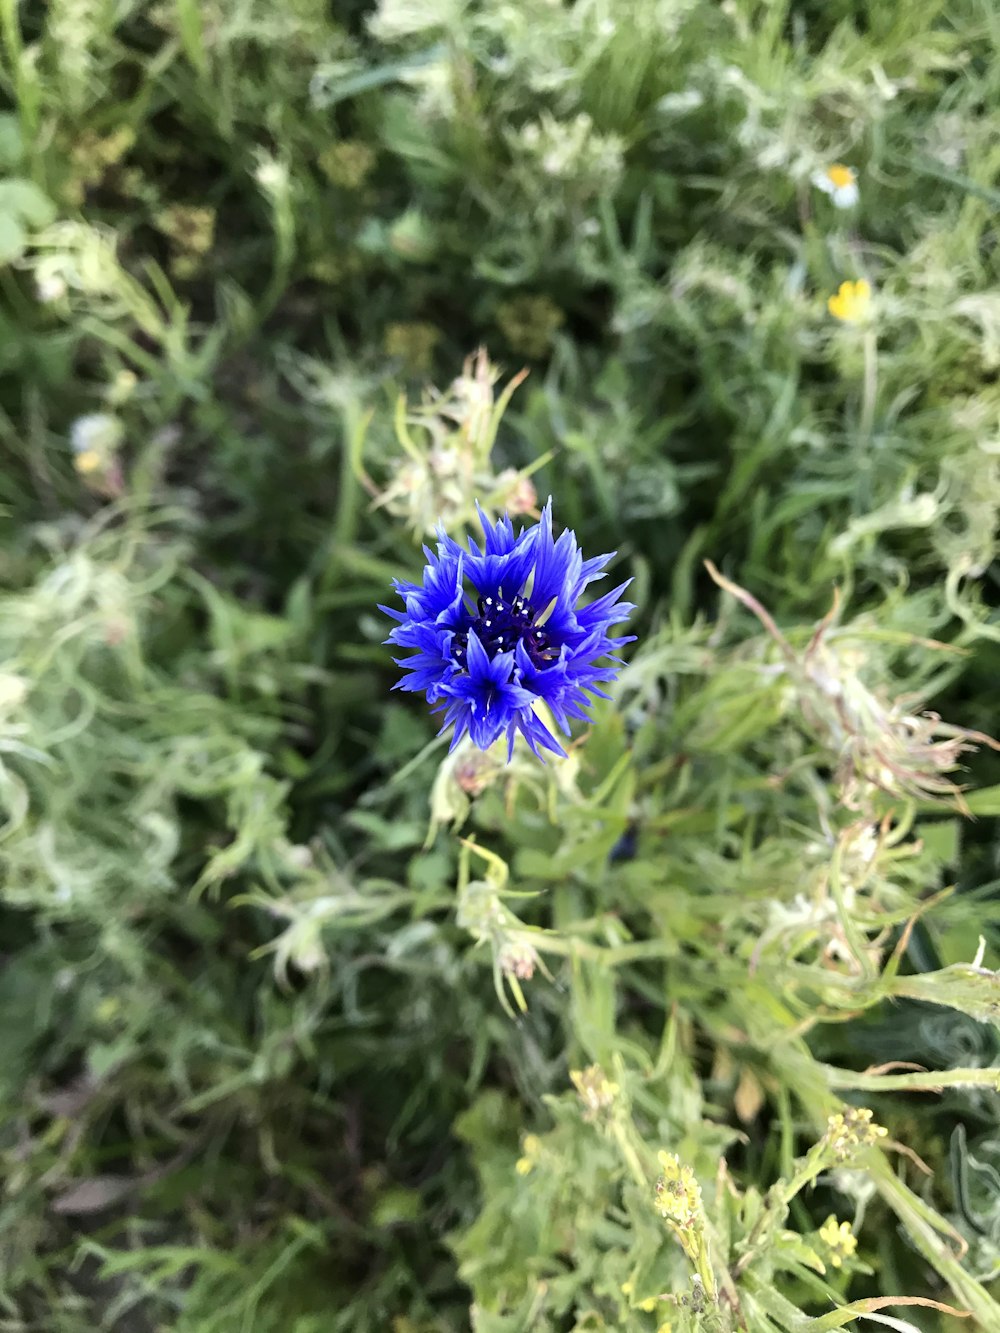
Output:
x=262 y=1068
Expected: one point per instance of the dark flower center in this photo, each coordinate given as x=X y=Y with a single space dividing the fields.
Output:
x=500 y=626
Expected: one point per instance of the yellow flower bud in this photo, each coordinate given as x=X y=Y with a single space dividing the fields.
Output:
x=852 y=302
x=839 y=1239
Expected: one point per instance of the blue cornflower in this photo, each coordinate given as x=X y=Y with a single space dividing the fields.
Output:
x=497 y=628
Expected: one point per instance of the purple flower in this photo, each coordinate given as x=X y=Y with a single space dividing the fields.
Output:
x=495 y=629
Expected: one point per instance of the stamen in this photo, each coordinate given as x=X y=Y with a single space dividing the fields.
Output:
x=501 y=625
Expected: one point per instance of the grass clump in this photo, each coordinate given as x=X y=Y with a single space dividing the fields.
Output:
x=310 y=1026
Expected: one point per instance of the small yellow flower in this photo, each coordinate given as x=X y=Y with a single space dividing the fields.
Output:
x=678 y=1194
x=678 y=1201
x=849 y=1131
x=88 y=461
x=839 y=1240
x=852 y=303
x=840 y=183
x=648 y=1304
x=532 y=1146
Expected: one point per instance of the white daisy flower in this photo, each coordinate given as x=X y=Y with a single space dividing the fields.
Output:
x=50 y=287
x=98 y=431
x=840 y=183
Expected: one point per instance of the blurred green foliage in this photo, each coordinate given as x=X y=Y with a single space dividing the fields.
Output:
x=308 y=1028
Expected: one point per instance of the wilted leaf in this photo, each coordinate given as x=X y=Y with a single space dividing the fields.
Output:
x=748 y=1097
x=92 y=1195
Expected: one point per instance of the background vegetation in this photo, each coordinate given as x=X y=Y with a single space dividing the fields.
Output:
x=306 y=1028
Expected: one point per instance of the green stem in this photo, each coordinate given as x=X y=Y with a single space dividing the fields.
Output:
x=776 y=1306
x=628 y=1151
x=779 y=1196
x=919 y=1081
x=869 y=391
